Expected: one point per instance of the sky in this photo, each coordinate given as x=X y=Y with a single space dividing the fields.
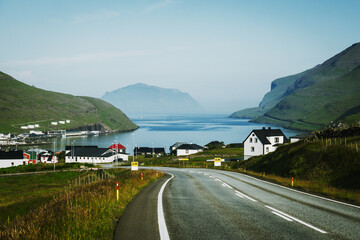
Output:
x=223 y=53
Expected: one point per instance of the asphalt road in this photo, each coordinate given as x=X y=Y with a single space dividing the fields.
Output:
x=212 y=204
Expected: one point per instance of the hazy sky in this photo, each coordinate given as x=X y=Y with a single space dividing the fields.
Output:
x=224 y=53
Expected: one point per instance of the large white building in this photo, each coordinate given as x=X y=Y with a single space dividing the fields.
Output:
x=188 y=149
x=11 y=158
x=93 y=154
x=263 y=141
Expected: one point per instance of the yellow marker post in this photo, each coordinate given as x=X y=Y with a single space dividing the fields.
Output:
x=292 y=181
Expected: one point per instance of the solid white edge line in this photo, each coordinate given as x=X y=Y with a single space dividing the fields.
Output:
x=278 y=214
x=297 y=220
x=309 y=194
x=164 y=235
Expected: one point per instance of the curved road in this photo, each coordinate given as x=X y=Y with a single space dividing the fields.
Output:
x=213 y=204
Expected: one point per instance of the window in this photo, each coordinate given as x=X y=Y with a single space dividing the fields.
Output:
x=276 y=139
x=252 y=149
x=256 y=140
x=267 y=149
x=251 y=140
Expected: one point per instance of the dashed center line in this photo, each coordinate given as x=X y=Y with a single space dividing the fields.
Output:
x=241 y=194
x=297 y=220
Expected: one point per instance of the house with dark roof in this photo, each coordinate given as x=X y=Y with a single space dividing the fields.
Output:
x=263 y=141
x=188 y=149
x=93 y=154
x=175 y=146
x=11 y=158
x=149 y=151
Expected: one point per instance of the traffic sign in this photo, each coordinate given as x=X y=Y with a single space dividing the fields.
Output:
x=217 y=162
x=134 y=166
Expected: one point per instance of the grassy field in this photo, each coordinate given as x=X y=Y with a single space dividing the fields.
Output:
x=67 y=205
x=43 y=167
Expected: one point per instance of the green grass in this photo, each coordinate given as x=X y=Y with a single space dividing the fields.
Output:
x=43 y=167
x=22 y=104
x=20 y=194
x=85 y=208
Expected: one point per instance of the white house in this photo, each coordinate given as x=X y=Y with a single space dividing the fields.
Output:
x=11 y=158
x=188 y=149
x=92 y=154
x=263 y=141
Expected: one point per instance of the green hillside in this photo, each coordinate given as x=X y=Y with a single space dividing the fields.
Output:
x=21 y=104
x=277 y=93
x=313 y=99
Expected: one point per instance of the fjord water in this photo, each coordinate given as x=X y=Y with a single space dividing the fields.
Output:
x=164 y=131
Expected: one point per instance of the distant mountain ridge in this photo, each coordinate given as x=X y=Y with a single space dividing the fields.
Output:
x=141 y=98
x=313 y=98
x=21 y=104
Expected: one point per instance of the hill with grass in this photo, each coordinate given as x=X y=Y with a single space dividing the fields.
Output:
x=314 y=98
x=21 y=105
x=144 y=99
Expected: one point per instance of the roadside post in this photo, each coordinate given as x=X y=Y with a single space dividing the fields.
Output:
x=157 y=173
x=142 y=176
x=292 y=181
x=134 y=166
x=117 y=191
x=217 y=162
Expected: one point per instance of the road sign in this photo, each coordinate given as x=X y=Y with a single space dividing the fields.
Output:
x=134 y=166
x=217 y=162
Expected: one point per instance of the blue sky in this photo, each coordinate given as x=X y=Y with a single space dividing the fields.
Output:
x=224 y=53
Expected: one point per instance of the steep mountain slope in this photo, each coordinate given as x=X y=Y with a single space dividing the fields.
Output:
x=325 y=93
x=142 y=98
x=21 y=104
x=276 y=94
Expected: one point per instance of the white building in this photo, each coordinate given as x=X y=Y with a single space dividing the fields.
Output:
x=93 y=154
x=263 y=141
x=11 y=159
x=188 y=149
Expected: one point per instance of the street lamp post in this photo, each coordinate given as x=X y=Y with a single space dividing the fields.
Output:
x=54 y=156
x=133 y=147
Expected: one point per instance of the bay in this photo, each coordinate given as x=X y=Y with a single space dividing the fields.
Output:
x=164 y=131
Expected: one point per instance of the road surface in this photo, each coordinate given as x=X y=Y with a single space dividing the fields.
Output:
x=213 y=204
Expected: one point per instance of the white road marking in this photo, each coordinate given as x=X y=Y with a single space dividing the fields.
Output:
x=164 y=235
x=218 y=180
x=226 y=185
x=239 y=195
x=309 y=194
x=297 y=220
x=237 y=192
x=282 y=216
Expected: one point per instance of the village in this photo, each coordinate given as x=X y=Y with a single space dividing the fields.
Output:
x=258 y=142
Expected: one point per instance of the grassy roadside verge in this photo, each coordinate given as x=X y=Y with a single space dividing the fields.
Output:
x=85 y=208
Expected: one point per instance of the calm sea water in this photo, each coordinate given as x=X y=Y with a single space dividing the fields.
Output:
x=164 y=131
